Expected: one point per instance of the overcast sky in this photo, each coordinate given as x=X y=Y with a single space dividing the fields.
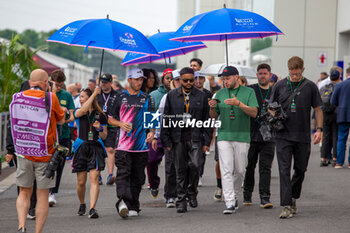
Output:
x=146 y=16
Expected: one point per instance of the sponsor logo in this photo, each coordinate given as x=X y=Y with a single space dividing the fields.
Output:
x=70 y=30
x=245 y=22
x=187 y=28
x=124 y=100
x=129 y=40
x=143 y=100
x=151 y=120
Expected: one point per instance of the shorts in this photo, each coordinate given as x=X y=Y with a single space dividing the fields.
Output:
x=112 y=137
x=90 y=155
x=28 y=171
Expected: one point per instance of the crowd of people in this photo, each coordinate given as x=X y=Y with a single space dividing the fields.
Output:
x=104 y=124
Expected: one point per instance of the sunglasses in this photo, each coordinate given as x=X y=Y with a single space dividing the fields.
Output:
x=188 y=80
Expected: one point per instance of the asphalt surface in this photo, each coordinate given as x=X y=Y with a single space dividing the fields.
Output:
x=323 y=207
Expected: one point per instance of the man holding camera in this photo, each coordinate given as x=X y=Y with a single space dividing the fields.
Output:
x=235 y=104
x=34 y=114
x=66 y=101
x=296 y=95
x=260 y=147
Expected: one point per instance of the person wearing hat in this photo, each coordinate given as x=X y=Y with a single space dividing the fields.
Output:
x=156 y=151
x=127 y=112
x=273 y=80
x=107 y=95
x=199 y=83
x=330 y=127
x=235 y=104
x=186 y=103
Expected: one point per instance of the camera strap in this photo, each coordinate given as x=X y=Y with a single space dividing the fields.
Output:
x=288 y=101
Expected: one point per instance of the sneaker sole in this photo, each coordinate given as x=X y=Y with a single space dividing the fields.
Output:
x=267 y=206
x=81 y=214
x=247 y=204
x=228 y=212
x=93 y=216
x=124 y=213
x=51 y=204
x=285 y=217
x=170 y=205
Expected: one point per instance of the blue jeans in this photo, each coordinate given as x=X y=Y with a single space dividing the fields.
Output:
x=343 y=133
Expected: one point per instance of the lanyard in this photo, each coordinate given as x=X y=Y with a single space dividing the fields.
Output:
x=106 y=99
x=187 y=101
x=262 y=97
x=90 y=122
x=230 y=96
x=291 y=87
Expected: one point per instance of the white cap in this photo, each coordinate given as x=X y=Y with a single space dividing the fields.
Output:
x=176 y=74
x=198 y=74
x=135 y=73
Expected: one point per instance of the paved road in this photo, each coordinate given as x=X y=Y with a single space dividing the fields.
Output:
x=323 y=207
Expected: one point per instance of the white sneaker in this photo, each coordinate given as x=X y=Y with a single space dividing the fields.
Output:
x=133 y=213
x=200 y=183
x=52 y=200
x=123 y=210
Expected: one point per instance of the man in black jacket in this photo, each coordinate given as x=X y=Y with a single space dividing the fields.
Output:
x=184 y=108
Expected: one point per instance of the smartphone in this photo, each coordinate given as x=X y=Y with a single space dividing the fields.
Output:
x=217 y=100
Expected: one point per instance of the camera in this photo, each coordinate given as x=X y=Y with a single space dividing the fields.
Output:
x=67 y=116
x=60 y=154
x=270 y=123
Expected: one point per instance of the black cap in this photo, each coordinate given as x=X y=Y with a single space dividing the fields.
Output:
x=228 y=71
x=106 y=77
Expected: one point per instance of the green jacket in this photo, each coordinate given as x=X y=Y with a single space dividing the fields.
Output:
x=157 y=96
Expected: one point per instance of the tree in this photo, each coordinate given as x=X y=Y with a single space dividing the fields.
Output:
x=16 y=64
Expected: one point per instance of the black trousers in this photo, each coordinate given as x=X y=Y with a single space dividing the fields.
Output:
x=264 y=152
x=330 y=138
x=130 y=177
x=188 y=157
x=170 y=175
x=286 y=151
x=202 y=164
x=67 y=143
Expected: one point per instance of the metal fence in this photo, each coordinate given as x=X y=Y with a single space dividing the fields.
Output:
x=4 y=121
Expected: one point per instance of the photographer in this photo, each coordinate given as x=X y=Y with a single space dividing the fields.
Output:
x=89 y=152
x=297 y=95
x=66 y=101
x=37 y=108
x=260 y=147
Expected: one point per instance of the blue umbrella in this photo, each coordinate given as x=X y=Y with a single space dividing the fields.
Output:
x=165 y=47
x=103 y=34
x=225 y=24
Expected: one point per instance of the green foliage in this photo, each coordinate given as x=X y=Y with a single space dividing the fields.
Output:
x=16 y=64
x=259 y=44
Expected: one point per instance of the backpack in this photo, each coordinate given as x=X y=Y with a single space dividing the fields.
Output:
x=326 y=95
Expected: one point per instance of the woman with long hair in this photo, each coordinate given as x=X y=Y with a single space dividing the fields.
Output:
x=151 y=82
x=89 y=152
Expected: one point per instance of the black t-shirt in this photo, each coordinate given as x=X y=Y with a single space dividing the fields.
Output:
x=297 y=126
x=103 y=98
x=83 y=124
x=255 y=134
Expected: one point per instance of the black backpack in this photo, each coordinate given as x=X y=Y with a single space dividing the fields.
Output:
x=326 y=95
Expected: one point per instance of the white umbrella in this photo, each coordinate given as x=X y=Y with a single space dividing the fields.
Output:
x=216 y=69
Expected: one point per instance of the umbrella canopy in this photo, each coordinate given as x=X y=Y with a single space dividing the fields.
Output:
x=216 y=69
x=103 y=34
x=225 y=24
x=165 y=47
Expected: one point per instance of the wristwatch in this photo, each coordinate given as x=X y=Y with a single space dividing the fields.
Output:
x=320 y=128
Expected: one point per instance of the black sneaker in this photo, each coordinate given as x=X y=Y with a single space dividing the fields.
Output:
x=82 y=210
x=247 y=199
x=266 y=204
x=31 y=214
x=93 y=213
x=154 y=193
x=229 y=210
x=323 y=163
x=193 y=202
x=181 y=207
